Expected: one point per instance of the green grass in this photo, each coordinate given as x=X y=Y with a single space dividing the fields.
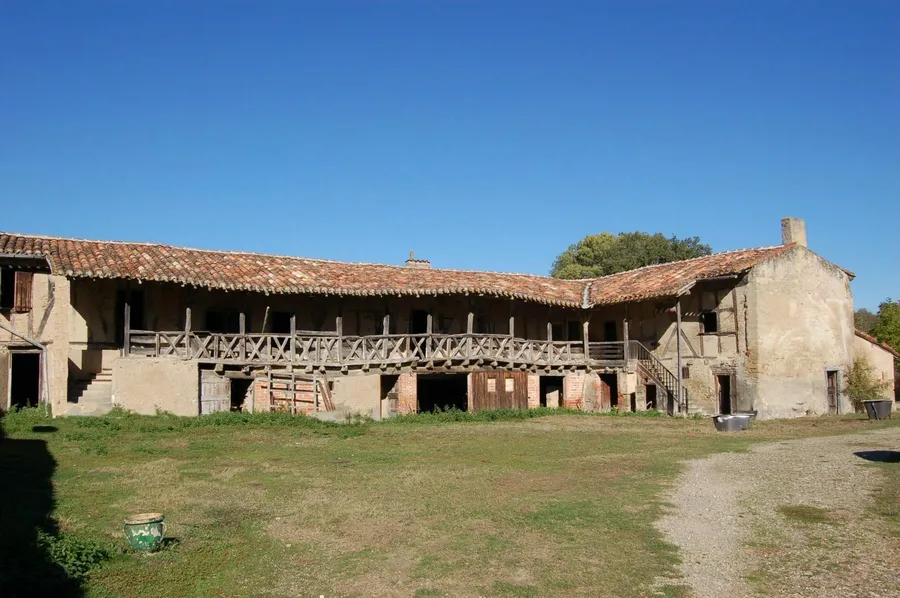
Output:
x=506 y=503
x=805 y=514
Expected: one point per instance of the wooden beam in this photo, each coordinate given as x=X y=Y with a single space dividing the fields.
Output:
x=512 y=326
x=429 y=323
x=678 y=353
x=339 y=326
x=128 y=325
x=187 y=333
x=293 y=343
x=470 y=325
x=243 y=329
x=625 y=336
x=584 y=338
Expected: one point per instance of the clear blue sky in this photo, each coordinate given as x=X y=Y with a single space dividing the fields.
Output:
x=482 y=134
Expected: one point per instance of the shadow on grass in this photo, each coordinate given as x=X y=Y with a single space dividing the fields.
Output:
x=26 y=506
x=879 y=456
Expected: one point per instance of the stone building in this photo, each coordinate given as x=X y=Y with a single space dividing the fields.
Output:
x=85 y=325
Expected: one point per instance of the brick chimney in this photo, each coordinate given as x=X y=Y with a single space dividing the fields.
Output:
x=412 y=262
x=793 y=230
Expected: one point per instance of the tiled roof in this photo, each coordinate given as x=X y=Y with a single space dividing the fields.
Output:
x=75 y=258
x=276 y=274
x=877 y=343
x=668 y=279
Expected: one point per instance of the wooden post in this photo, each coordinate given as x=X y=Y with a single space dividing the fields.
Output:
x=470 y=328
x=243 y=341
x=512 y=337
x=187 y=333
x=339 y=325
x=293 y=342
x=429 y=322
x=385 y=330
x=625 y=338
x=678 y=352
x=584 y=339
x=549 y=342
x=512 y=326
x=128 y=326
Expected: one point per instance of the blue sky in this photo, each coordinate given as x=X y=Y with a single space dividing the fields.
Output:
x=482 y=134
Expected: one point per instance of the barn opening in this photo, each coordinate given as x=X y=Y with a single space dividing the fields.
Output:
x=724 y=385
x=25 y=379
x=240 y=392
x=551 y=391
x=610 y=388
x=439 y=392
x=651 y=396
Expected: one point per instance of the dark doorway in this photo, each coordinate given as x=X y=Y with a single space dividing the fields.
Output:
x=418 y=322
x=135 y=300
x=281 y=322
x=439 y=392
x=609 y=391
x=833 y=391
x=240 y=388
x=651 y=396
x=724 y=384
x=552 y=387
x=574 y=331
x=610 y=334
x=25 y=379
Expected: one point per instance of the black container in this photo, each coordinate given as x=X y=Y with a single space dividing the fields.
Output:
x=878 y=409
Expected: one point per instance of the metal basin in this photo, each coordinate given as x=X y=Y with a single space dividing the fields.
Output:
x=732 y=423
x=878 y=409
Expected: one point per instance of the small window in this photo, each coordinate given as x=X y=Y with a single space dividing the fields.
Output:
x=574 y=330
x=445 y=323
x=491 y=385
x=510 y=385
x=7 y=288
x=224 y=322
x=709 y=320
x=557 y=329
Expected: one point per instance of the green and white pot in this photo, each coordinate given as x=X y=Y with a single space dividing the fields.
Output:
x=145 y=531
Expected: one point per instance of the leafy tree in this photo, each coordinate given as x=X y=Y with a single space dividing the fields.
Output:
x=606 y=253
x=887 y=328
x=864 y=320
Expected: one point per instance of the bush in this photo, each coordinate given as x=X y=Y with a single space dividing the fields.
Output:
x=76 y=556
x=863 y=384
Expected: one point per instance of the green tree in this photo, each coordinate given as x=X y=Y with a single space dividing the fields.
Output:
x=887 y=328
x=606 y=253
x=864 y=320
x=863 y=384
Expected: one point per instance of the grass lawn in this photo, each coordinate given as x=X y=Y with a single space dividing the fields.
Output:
x=559 y=505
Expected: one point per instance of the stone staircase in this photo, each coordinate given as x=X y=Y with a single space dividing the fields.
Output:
x=92 y=396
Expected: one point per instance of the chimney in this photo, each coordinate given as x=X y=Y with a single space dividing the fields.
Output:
x=793 y=230
x=412 y=262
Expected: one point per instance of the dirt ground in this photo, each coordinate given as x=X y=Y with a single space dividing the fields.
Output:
x=798 y=519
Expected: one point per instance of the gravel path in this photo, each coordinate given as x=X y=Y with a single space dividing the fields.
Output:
x=735 y=542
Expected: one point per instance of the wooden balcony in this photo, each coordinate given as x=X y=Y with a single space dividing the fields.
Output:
x=325 y=351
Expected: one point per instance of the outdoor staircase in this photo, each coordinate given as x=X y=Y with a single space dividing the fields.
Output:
x=92 y=396
x=663 y=376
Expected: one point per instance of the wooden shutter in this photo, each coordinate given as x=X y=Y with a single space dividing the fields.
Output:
x=23 y=292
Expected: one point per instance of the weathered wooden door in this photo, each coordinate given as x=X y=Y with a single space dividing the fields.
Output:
x=833 y=392
x=495 y=390
x=215 y=392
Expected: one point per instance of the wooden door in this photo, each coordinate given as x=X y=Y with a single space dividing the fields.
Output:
x=215 y=392
x=496 y=390
x=833 y=392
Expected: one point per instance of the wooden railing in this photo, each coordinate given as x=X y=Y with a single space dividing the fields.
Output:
x=332 y=351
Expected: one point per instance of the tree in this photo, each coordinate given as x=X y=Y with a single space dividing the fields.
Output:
x=606 y=253
x=887 y=327
x=864 y=320
x=863 y=384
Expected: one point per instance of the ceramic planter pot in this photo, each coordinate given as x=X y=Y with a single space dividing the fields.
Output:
x=145 y=532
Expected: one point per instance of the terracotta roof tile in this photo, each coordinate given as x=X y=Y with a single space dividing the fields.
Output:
x=77 y=258
x=877 y=343
x=668 y=279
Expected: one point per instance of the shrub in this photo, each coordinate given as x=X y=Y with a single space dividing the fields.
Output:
x=74 y=555
x=863 y=384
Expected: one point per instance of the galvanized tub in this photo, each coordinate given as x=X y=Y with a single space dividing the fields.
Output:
x=145 y=531
x=732 y=423
x=878 y=409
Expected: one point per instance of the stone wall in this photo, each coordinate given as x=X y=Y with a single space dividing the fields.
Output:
x=147 y=385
